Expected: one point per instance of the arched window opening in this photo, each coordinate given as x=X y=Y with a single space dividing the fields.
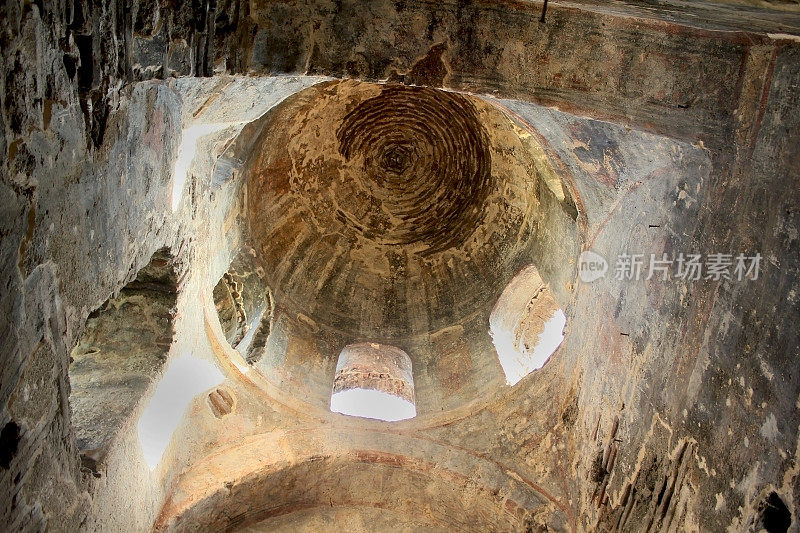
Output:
x=244 y=306
x=527 y=325
x=374 y=381
x=122 y=349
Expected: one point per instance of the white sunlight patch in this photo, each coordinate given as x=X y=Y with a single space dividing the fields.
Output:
x=370 y=403
x=186 y=152
x=185 y=378
x=517 y=364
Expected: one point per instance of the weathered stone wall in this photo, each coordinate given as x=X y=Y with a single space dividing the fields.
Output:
x=695 y=374
x=691 y=387
x=76 y=224
x=585 y=58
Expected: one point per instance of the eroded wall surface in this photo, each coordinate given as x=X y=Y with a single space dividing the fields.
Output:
x=692 y=388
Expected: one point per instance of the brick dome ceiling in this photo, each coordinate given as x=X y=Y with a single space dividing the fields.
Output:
x=387 y=211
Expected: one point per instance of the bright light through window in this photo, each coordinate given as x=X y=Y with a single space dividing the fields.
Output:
x=527 y=325
x=186 y=153
x=517 y=363
x=370 y=403
x=374 y=381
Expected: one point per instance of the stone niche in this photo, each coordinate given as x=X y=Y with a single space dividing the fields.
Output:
x=123 y=347
x=244 y=305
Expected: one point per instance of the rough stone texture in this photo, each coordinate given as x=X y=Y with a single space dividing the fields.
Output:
x=73 y=228
x=225 y=304
x=244 y=305
x=586 y=57
x=119 y=354
x=669 y=406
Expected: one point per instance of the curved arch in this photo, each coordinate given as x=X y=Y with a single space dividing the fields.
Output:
x=275 y=474
x=357 y=518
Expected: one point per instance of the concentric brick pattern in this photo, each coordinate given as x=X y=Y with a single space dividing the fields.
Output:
x=387 y=212
x=425 y=154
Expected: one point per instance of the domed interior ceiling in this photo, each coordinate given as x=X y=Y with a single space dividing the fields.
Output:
x=387 y=212
x=143 y=135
